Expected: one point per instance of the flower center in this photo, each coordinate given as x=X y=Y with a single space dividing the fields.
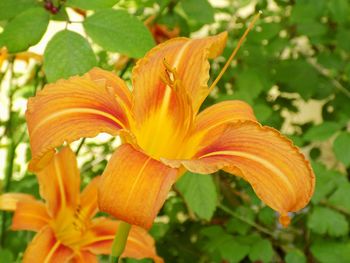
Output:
x=164 y=131
x=69 y=227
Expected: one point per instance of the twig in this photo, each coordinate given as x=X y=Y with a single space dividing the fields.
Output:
x=79 y=146
x=248 y=222
x=324 y=72
x=337 y=208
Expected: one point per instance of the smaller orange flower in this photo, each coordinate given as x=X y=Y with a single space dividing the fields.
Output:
x=67 y=231
x=3 y=55
x=162 y=33
x=27 y=55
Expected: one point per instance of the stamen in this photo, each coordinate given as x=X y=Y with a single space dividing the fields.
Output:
x=169 y=70
x=234 y=52
x=171 y=76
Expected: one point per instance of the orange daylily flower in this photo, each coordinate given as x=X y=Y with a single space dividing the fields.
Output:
x=161 y=33
x=164 y=133
x=67 y=231
x=27 y=55
x=3 y=55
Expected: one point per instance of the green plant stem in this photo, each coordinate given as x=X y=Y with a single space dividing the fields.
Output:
x=11 y=152
x=79 y=146
x=324 y=72
x=8 y=176
x=248 y=222
x=337 y=208
x=125 y=69
x=119 y=242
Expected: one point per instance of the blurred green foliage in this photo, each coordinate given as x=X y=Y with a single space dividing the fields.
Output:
x=299 y=52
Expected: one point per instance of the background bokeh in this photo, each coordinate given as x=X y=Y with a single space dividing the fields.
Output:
x=293 y=69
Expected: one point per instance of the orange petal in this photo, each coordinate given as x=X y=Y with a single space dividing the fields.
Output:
x=139 y=245
x=88 y=199
x=188 y=56
x=170 y=83
x=276 y=169
x=45 y=248
x=70 y=109
x=84 y=257
x=60 y=182
x=30 y=215
x=9 y=201
x=134 y=186
x=3 y=55
x=211 y=118
x=223 y=113
x=112 y=81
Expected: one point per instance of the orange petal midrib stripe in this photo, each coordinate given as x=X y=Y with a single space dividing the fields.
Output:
x=52 y=251
x=261 y=161
x=180 y=54
x=60 y=184
x=205 y=129
x=137 y=179
x=75 y=110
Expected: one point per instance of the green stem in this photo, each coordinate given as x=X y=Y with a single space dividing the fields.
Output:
x=248 y=222
x=11 y=153
x=119 y=242
x=79 y=146
x=125 y=69
x=338 y=208
x=8 y=176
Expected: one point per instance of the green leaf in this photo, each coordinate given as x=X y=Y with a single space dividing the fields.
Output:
x=327 y=221
x=297 y=140
x=295 y=256
x=118 y=31
x=341 y=147
x=67 y=54
x=326 y=251
x=62 y=15
x=341 y=197
x=11 y=8
x=268 y=31
x=267 y=216
x=261 y=251
x=249 y=84
x=237 y=226
x=327 y=182
x=322 y=131
x=199 y=192
x=262 y=111
x=25 y=30
x=224 y=244
x=199 y=11
x=159 y=230
x=312 y=29
x=339 y=10
x=305 y=11
x=297 y=76
x=92 y=4
x=343 y=39
x=6 y=255
x=232 y=250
